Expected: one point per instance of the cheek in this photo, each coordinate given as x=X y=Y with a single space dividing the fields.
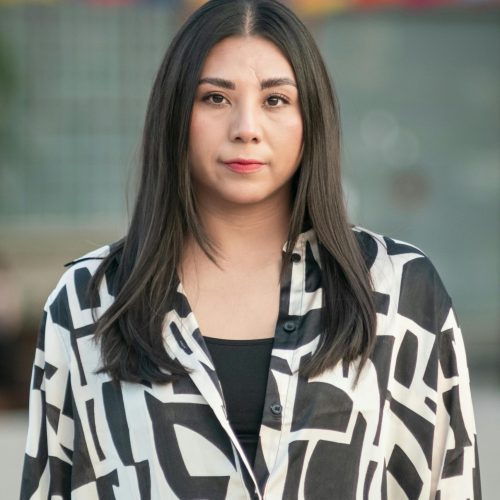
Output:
x=289 y=138
x=196 y=135
x=203 y=141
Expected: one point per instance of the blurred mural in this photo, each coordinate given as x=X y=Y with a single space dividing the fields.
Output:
x=419 y=89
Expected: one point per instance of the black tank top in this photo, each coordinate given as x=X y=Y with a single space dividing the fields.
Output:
x=242 y=367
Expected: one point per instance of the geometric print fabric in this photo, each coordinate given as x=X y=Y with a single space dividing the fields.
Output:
x=406 y=430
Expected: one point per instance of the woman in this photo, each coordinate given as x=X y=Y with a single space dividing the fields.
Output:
x=243 y=340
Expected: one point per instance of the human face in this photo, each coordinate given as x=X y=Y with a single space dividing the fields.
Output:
x=246 y=107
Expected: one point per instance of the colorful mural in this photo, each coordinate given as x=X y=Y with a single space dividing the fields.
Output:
x=303 y=7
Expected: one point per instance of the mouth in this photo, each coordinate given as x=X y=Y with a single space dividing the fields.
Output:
x=241 y=166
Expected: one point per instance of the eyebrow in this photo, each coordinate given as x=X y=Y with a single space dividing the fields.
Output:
x=264 y=84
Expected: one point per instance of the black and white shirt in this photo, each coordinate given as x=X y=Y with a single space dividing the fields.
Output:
x=405 y=431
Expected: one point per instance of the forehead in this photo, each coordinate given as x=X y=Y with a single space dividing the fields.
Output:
x=243 y=55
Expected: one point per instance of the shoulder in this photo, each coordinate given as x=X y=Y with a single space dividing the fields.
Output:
x=378 y=248
x=69 y=304
x=85 y=265
x=386 y=255
x=93 y=256
x=405 y=279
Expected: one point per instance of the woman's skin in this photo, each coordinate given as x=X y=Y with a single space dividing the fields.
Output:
x=245 y=214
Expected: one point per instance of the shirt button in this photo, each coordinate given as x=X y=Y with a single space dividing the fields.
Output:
x=276 y=408
x=289 y=326
x=296 y=257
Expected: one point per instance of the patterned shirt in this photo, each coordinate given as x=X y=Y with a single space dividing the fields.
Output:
x=405 y=430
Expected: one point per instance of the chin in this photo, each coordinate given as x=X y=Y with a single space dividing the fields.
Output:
x=245 y=197
x=241 y=194
x=246 y=200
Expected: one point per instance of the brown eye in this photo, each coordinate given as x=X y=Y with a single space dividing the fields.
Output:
x=216 y=99
x=274 y=100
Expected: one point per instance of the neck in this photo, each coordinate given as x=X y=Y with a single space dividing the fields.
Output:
x=247 y=234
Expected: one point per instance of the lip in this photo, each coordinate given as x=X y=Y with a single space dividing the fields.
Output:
x=244 y=165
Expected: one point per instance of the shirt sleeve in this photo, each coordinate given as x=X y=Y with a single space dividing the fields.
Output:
x=49 y=445
x=455 y=471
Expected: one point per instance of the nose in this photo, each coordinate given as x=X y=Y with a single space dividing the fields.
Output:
x=245 y=126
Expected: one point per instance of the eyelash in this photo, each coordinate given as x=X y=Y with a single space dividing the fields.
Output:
x=218 y=104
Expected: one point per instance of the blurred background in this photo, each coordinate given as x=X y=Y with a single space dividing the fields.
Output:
x=419 y=88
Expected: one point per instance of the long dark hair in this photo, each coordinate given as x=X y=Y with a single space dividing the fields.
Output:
x=144 y=264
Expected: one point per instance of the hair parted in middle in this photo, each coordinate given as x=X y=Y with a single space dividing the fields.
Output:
x=142 y=268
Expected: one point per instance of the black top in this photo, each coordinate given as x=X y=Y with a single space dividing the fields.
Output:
x=242 y=367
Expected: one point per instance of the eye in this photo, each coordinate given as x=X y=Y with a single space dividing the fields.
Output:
x=214 y=99
x=277 y=97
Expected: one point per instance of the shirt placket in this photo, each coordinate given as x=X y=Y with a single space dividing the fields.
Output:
x=278 y=406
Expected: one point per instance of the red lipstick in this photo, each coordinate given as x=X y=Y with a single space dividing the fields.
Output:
x=244 y=165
